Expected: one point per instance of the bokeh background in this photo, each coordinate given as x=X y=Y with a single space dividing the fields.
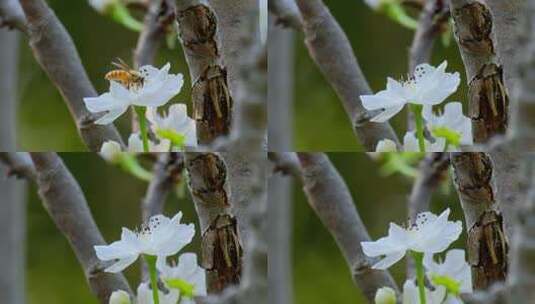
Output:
x=44 y=123
x=320 y=272
x=381 y=47
x=53 y=274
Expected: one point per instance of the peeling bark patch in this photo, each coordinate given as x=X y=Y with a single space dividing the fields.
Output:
x=476 y=182
x=222 y=253
x=212 y=104
x=488 y=103
x=473 y=26
x=209 y=186
x=487 y=250
x=199 y=31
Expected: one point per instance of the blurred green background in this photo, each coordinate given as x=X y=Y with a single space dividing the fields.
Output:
x=320 y=272
x=381 y=47
x=44 y=121
x=53 y=273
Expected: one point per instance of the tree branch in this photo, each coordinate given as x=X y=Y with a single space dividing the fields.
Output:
x=9 y=46
x=11 y=15
x=433 y=17
x=287 y=14
x=486 y=243
x=54 y=49
x=487 y=95
x=330 y=49
x=212 y=101
x=19 y=164
x=65 y=202
x=160 y=15
x=210 y=192
x=329 y=197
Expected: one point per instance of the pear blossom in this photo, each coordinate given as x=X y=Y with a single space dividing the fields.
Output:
x=110 y=151
x=385 y=295
x=410 y=144
x=144 y=296
x=177 y=121
x=160 y=237
x=157 y=89
x=119 y=297
x=374 y=4
x=454 y=267
x=429 y=86
x=411 y=295
x=429 y=234
x=135 y=144
x=187 y=270
x=386 y=145
x=452 y=119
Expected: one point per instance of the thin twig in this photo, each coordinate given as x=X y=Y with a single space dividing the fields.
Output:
x=11 y=15
x=331 y=50
x=19 y=164
x=287 y=14
x=54 y=49
x=66 y=204
x=329 y=197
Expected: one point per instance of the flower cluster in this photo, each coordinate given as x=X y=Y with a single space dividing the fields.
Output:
x=158 y=239
x=430 y=234
x=430 y=86
x=145 y=90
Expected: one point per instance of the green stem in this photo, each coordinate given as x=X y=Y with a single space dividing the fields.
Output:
x=420 y=275
x=129 y=163
x=417 y=110
x=120 y=14
x=446 y=146
x=140 y=111
x=151 y=261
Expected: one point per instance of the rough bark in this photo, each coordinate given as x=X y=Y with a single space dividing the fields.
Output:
x=211 y=97
x=65 y=203
x=330 y=49
x=221 y=249
x=487 y=95
x=487 y=244
x=54 y=49
x=329 y=196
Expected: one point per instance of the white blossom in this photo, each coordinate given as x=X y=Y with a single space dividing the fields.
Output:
x=177 y=120
x=453 y=119
x=144 y=295
x=410 y=144
x=187 y=270
x=110 y=151
x=374 y=4
x=386 y=145
x=385 y=295
x=411 y=295
x=429 y=86
x=119 y=297
x=429 y=234
x=102 y=5
x=160 y=237
x=454 y=267
x=157 y=89
x=135 y=144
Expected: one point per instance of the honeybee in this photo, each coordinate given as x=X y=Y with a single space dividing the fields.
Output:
x=125 y=75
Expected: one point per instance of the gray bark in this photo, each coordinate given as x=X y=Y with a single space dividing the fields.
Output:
x=286 y=12
x=329 y=197
x=487 y=95
x=66 y=204
x=11 y=14
x=487 y=244
x=13 y=192
x=280 y=96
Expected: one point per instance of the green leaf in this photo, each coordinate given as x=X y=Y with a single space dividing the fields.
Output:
x=119 y=12
x=395 y=11
x=451 y=137
x=186 y=289
x=452 y=286
x=177 y=140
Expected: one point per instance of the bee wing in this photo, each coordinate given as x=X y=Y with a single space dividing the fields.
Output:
x=121 y=64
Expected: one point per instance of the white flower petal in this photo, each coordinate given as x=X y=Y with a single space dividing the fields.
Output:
x=110 y=116
x=386 y=145
x=389 y=260
x=121 y=264
x=119 y=297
